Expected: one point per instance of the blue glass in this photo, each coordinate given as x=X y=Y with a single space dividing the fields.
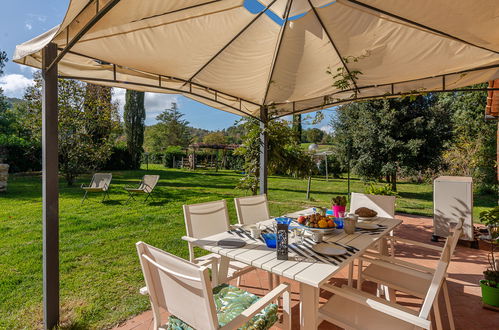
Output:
x=339 y=223
x=284 y=220
x=270 y=240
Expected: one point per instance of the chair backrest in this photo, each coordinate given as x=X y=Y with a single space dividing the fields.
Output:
x=101 y=180
x=205 y=219
x=441 y=270
x=384 y=205
x=252 y=209
x=178 y=286
x=149 y=182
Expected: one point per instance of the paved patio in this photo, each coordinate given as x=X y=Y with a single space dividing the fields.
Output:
x=464 y=272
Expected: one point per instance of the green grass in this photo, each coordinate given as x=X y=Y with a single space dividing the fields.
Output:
x=100 y=273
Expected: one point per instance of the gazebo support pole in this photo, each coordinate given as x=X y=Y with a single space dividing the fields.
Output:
x=50 y=189
x=264 y=144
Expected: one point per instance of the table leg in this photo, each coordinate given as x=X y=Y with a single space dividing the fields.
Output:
x=309 y=305
x=223 y=269
x=387 y=292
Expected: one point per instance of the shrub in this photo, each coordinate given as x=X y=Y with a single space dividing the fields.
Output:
x=154 y=158
x=20 y=154
x=173 y=153
x=120 y=159
x=334 y=167
x=386 y=190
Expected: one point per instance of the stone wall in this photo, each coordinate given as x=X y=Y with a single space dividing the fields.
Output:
x=4 y=175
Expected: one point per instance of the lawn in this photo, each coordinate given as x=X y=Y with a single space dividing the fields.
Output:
x=100 y=273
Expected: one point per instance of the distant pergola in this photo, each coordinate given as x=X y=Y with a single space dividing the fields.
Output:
x=219 y=53
x=196 y=146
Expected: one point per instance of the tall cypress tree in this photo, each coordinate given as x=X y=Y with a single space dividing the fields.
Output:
x=297 y=127
x=134 y=116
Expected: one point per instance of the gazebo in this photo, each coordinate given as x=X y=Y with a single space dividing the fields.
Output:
x=262 y=59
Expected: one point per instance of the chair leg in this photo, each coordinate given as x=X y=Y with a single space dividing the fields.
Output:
x=130 y=197
x=448 y=306
x=350 y=273
x=392 y=246
x=389 y=293
x=359 y=275
x=438 y=316
x=286 y=310
x=84 y=197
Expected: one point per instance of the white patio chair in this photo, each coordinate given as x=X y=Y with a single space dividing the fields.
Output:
x=146 y=186
x=100 y=183
x=184 y=290
x=251 y=210
x=206 y=219
x=408 y=277
x=354 y=309
x=384 y=205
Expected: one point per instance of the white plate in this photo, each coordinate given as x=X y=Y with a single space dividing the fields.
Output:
x=231 y=243
x=329 y=249
x=368 y=226
x=368 y=218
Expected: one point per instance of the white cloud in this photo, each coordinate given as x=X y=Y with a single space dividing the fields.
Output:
x=155 y=103
x=25 y=68
x=14 y=85
x=326 y=129
x=28 y=26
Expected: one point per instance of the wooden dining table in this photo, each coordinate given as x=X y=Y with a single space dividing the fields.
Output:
x=309 y=268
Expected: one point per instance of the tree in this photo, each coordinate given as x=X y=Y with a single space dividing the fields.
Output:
x=389 y=136
x=297 y=127
x=314 y=135
x=285 y=156
x=3 y=100
x=215 y=138
x=134 y=116
x=173 y=130
x=472 y=151
x=79 y=120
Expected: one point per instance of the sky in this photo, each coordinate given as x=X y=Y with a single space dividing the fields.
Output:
x=23 y=20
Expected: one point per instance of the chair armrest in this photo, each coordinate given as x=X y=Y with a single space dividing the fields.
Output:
x=189 y=239
x=407 y=269
x=408 y=241
x=376 y=256
x=210 y=261
x=380 y=305
x=283 y=290
x=144 y=291
x=82 y=185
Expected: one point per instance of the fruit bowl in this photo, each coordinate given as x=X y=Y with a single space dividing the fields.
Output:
x=316 y=222
x=328 y=230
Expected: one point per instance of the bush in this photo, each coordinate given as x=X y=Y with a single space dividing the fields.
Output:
x=173 y=153
x=20 y=154
x=334 y=167
x=120 y=159
x=386 y=190
x=233 y=161
x=153 y=158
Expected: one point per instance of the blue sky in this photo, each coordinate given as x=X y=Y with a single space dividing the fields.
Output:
x=24 y=19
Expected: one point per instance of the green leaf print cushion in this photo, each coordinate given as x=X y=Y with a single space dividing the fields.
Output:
x=231 y=301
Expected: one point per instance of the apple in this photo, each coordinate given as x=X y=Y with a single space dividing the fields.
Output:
x=301 y=219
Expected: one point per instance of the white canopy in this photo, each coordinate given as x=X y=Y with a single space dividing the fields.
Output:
x=221 y=54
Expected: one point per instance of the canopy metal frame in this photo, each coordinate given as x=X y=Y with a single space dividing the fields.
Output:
x=51 y=56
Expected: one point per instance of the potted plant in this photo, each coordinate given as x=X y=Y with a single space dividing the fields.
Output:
x=339 y=205
x=490 y=283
